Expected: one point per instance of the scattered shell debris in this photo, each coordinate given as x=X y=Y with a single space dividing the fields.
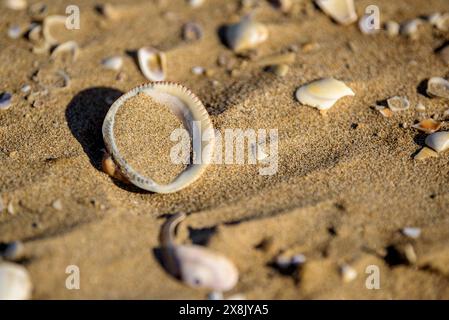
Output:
x=113 y=63
x=15 y=4
x=411 y=232
x=438 y=141
x=348 y=273
x=192 y=31
x=280 y=70
x=397 y=104
x=410 y=254
x=342 y=11
x=246 y=34
x=152 y=63
x=5 y=100
x=195 y=265
x=15 y=282
x=438 y=87
x=323 y=94
x=425 y=153
x=428 y=125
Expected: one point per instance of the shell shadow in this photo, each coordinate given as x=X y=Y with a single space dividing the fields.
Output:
x=85 y=114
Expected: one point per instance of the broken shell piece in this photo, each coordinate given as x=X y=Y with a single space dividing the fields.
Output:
x=425 y=153
x=15 y=282
x=392 y=28
x=386 y=112
x=397 y=104
x=411 y=28
x=192 y=31
x=153 y=63
x=438 y=141
x=49 y=23
x=245 y=34
x=323 y=94
x=428 y=125
x=197 y=266
x=348 y=273
x=410 y=232
x=5 y=101
x=113 y=63
x=342 y=11
x=66 y=47
x=186 y=106
x=438 y=87
x=15 y=4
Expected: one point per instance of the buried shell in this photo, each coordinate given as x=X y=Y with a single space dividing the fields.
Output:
x=438 y=141
x=15 y=282
x=245 y=34
x=428 y=125
x=397 y=104
x=438 y=87
x=342 y=11
x=323 y=94
x=152 y=63
x=187 y=107
x=195 y=265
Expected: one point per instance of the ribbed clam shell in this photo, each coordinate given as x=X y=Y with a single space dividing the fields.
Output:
x=187 y=107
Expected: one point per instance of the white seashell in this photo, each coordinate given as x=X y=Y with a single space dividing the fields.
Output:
x=245 y=34
x=438 y=141
x=397 y=104
x=198 y=70
x=187 y=107
x=438 y=87
x=410 y=28
x=5 y=101
x=113 y=63
x=420 y=107
x=392 y=28
x=410 y=253
x=348 y=273
x=410 y=232
x=69 y=46
x=323 y=94
x=195 y=265
x=48 y=23
x=153 y=63
x=15 y=32
x=366 y=25
x=15 y=4
x=15 y=282
x=425 y=153
x=342 y=11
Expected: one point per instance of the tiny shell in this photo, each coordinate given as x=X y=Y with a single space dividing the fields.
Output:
x=397 y=104
x=192 y=31
x=433 y=18
x=113 y=63
x=392 y=28
x=342 y=11
x=411 y=232
x=245 y=34
x=365 y=25
x=386 y=112
x=48 y=24
x=57 y=205
x=69 y=46
x=348 y=273
x=438 y=87
x=15 y=4
x=410 y=253
x=428 y=125
x=438 y=141
x=5 y=101
x=195 y=265
x=425 y=153
x=15 y=32
x=420 y=107
x=410 y=28
x=323 y=94
x=442 y=22
x=15 y=282
x=195 y=3
x=153 y=63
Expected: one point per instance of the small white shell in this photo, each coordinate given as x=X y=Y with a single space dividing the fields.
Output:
x=15 y=4
x=438 y=141
x=397 y=104
x=342 y=11
x=365 y=25
x=438 y=87
x=195 y=3
x=69 y=46
x=48 y=23
x=152 y=63
x=15 y=282
x=410 y=28
x=113 y=63
x=348 y=273
x=184 y=104
x=323 y=94
x=245 y=34
x=392 y=28
x=411 y=232
x=5 y=101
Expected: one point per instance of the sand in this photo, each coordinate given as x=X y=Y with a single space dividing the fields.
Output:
x=142 y=130
x=346 y=184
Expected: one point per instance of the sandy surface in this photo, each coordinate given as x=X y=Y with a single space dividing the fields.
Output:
x=346 y=185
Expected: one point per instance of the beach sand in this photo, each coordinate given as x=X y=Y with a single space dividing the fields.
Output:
x=346 y=183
